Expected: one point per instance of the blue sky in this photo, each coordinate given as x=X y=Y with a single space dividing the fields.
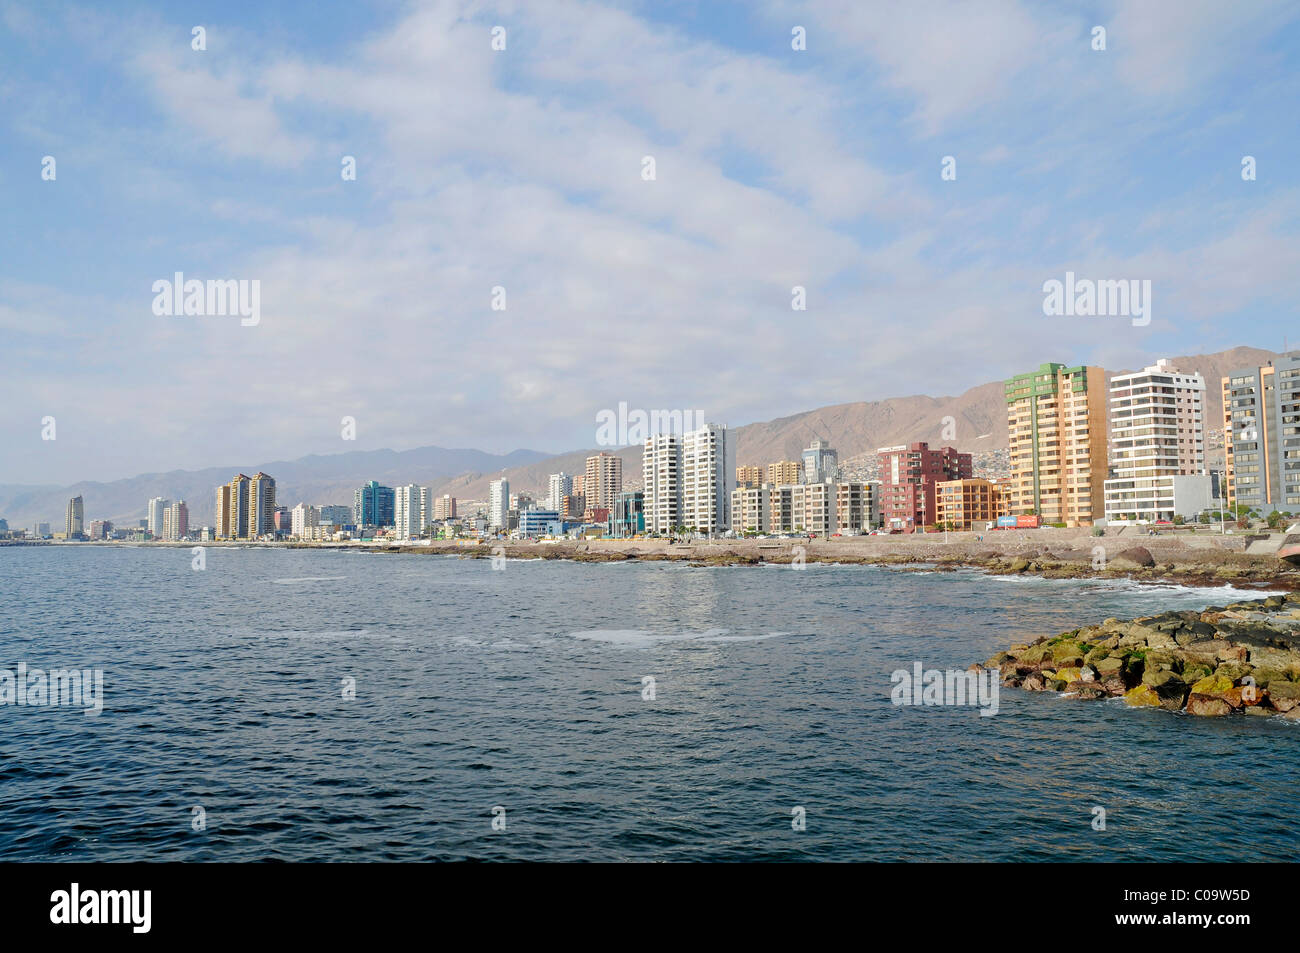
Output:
x=522 y=168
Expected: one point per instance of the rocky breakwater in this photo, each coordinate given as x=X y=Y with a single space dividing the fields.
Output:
x=1234 y=659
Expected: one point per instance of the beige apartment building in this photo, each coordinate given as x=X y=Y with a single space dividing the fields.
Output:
x=784 y=473
x=602 y=482
x=749 y=508
x=968 y=504
x=750 y=476
x=1056 y=421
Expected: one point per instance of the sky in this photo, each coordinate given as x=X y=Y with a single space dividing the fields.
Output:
x=524 y=169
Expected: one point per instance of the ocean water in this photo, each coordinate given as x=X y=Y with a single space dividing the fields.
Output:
x=522 y=690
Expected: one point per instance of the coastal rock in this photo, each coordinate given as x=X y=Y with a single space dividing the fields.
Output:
x=1114 y=686
x=1138 y=556
x=1034 y=683
x=1088 y=691
x=1067 y=655
x=1284 y=696
x=1110 y=665
x=1144 y=696
x=1207 y=705
x=1220 y=687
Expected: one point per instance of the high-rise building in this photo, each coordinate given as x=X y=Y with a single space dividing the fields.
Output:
x=1261 y=426
x=749 y=476
x=749 y=508
x=410 y=510
x=784 y=472
x=908 y=475
x=236 y=500
x=176 y=521
x=221 y=526
x=603 y=480
x=820 y=463
x=444 y=507
x=157 y=507
x=1056 y=420
x=261 y=506
x=573 y=506
x=99 y=529
x=1157 y=445
x=499 y=504
x=302 y=518
x=857 y=507
x=661 y=475
x=559 y=485
x=708 y=462
x=74 y=518
x=818 y=504
x=784 y=508
x=337 y=514
x=373 y=505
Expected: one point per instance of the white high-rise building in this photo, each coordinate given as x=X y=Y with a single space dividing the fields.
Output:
x=303 y=517
x=708 y=474
x=498 y=504
x=661 y=475
x=1157 y=436
x=157 y=508
x=559 y=486
x=410 y=510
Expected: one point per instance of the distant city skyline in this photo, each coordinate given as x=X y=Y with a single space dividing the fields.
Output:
x=784 y=178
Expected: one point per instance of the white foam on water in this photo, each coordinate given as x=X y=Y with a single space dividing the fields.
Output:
x=297 y=579
x=642 y=638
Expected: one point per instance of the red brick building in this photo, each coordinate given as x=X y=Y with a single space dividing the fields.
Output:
x=908 y=476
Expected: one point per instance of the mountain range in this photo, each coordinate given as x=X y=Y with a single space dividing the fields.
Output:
x=978 y=416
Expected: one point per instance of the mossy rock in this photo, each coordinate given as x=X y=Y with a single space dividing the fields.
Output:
x=1212 y=685
x=1194 y=672
x=1070 y=673
x=1233 y=670
x=1109 y=665
x=1264 y=676
x=1036 y=654
x=1162 y=681
x=1144 y=696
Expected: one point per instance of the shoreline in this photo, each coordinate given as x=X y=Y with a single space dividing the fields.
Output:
x=1198 y=562
x=1196 y=559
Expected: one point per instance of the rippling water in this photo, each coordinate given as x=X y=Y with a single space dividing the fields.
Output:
x=522 y=689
